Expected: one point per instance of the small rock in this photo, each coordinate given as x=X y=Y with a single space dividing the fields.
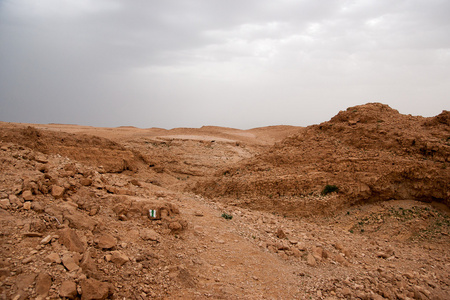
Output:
x=37 y=207
x=272 y=248
x=94 y=289
x=14 y=200
x=283 y=255
x=27 y=195
x=149 y=234
x=347 y=253
x=386 y=292
x=198 y=214
x=88 y=265
x=53 y=258
x=376 y=296
x=77 y=257
x=38 y=225
x=119 y=258
x=58 y=191
x=339 y=246
x=281 y=234
x=106 y=241
x=310 y=260
x=69 y=238
x=317 y=253
x=301 y=246
x=296 y=252
x=79 y=221
x=382 y=254
x=175 y=226
x=198 y=229
x=362 y=295
x=4 y=203
x=40 y=159
x=4 y=272
x=24 y=280
x=94 y=210
x=27 y=260
x=32 y=234
x=86 y=181
x=421 y=293
x=81 y=277
x=46 y=240
x=43 y=284
x=340 y=259
x=69 y=262
x=135 y=182
x=68 y=289
x=281 y=246
x=27 y=205
x=346 y=291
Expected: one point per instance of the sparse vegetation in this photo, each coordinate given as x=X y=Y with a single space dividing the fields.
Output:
x=227 y=216
x=329 y=189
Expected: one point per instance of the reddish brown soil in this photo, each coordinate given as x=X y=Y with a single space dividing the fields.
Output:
x=241 y=214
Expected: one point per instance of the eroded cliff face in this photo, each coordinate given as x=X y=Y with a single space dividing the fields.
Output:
x=370 y=152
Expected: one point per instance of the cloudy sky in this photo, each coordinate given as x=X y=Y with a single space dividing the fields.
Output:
x=241 y=64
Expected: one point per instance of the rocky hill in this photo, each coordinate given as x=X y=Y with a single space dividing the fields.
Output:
x=369 y=153
x=222 y=213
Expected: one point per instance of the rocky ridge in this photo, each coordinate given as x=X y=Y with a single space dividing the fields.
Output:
x=369 y=152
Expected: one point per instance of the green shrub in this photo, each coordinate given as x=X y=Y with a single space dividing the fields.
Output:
x=227 y=216
x=329 y=189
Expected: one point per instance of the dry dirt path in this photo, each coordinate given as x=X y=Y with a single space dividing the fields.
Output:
x=228 y=265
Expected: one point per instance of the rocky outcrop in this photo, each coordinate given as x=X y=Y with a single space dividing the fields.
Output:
x=103 y=154
x=370 y=152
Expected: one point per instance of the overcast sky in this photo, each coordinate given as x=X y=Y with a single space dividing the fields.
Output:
x=240 y=64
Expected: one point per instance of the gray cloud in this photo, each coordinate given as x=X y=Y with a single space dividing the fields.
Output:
x=235 y=63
